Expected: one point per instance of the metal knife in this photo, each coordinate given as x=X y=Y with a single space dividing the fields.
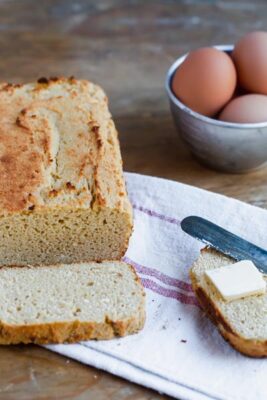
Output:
x=225 y=241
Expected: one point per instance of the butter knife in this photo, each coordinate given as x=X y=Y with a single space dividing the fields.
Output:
x=225 y=241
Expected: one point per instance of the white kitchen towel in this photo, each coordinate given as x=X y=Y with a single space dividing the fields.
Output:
x=179 y=352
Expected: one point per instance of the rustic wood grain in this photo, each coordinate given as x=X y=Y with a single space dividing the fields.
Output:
x=31 y=372
x=127 y=47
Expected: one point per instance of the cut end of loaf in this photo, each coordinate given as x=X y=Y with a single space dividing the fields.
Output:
x=60 y=235
x=243 y=323
x=69 y=303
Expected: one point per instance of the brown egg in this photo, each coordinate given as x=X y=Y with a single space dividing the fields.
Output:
x=250 y=57
x=251 y=108
x=205 y=81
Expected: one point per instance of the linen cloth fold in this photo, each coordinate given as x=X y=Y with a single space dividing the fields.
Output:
x=179 y=352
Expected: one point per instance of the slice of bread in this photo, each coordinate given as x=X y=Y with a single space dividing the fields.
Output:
x=243 y=323
x=69 y=303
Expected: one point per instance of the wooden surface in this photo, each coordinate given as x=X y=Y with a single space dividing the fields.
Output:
x=126 y=46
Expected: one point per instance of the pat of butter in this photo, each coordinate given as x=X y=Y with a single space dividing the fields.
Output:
x=238 y=280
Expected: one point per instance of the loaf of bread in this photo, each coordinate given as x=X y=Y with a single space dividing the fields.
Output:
x=62 y=192
x=243 y=323
x=69 y=303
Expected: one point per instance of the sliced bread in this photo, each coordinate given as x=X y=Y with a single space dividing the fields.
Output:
x=243 y=323
x=69 y=303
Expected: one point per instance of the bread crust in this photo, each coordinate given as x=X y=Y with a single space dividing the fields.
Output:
x=248 y=347
x=70 y=332
x=67 y=149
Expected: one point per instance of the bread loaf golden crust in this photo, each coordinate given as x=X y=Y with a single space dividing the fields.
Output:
x=59 y=151
x=59 y=146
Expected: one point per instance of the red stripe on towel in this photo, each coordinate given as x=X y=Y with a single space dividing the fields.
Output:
x=170 y=293
x=155 y=214
x=168 y=280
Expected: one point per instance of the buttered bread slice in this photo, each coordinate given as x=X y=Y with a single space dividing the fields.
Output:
x=242 y=322
x=62 y=192
x=69 y=303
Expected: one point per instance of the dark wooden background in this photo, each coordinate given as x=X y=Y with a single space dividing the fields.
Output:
x=127 y=47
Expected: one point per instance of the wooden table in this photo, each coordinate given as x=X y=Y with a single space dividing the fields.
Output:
x=126 y=46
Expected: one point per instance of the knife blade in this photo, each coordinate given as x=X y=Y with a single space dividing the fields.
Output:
x=224 y=241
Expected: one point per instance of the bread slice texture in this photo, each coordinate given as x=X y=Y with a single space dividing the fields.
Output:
x=62 y=192
x=243 y=322
x=69 y=303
